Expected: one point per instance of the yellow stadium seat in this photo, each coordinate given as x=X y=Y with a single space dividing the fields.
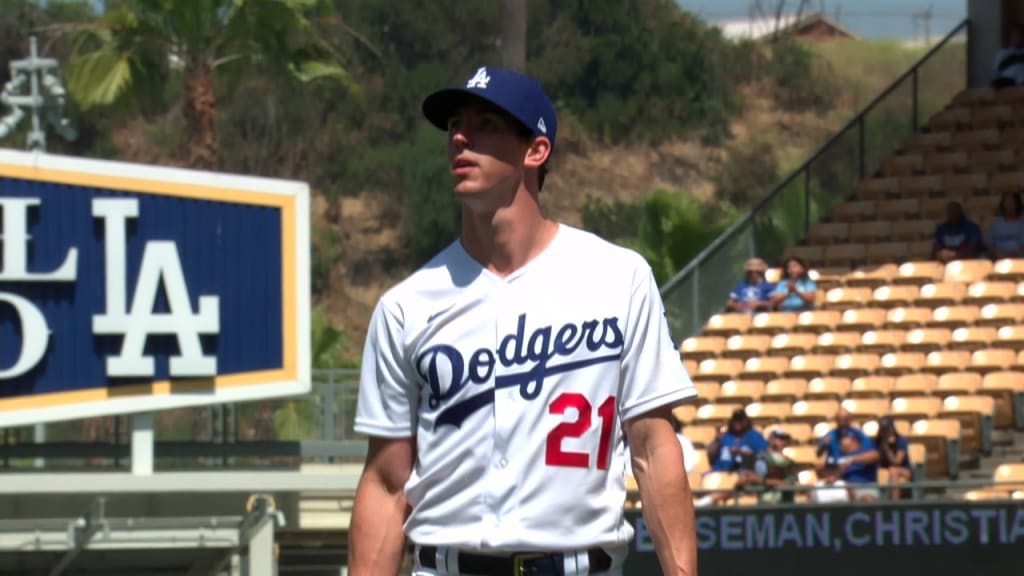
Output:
x=740 y=391
x=792 y=343
x=872 y=275
x=718 y=481
x=992 y=161
x=972 y=337
x=917 y=453
x=958 y=383
x=926 y=339
x=1006 y=182
x=719 y=369
x=908 y=318
x=1000 y=315
x=941 y=294
x=772 y=323
x=898 y=209
x=773 y=275
x=854 y=364
x=967 y=271
x=954 y=316
x=800 y=432
x=926 y=141
x=685 y=413
x=987 y=117
x=896 y=363
x=844 y=255
x=921 y=272
x=943 y=163
x=764 y=367
x=992 y=360
x=803 y=456
x=879 y=254
x=978 y=139
x=701 y=347
x=870 y=427
x=915 y=407
x=985 y=495
x=811 y=255
x=817 y=320
x=881 y=341
x=700 y=463
x=876 y=188
x=950 y=119
x=1008 y=269
x=1005 y=387
x=860 y=319
x=745 y=346
x=763 y=413
x=935 y=208
x=715 y=414
x=903 y=164
x=1019 y=296
x=809 y=365
x=919 y=384
x=836 y=342
x=690 y=366
x=807 y=477
x=855 y=211
x=866 y=408
x=784 y=390
x=966 y=184
x=871 y=387
x=941 y=439
x=828 y=233
x=844 y=297
x=942 y=361
x=893 y=296
x=913 y=230
x=827 y=388
x=813 y=411
x=820 y=429
x=1009 y=476
x=727 y=324
x=976 y=415
x=706 y=391
x=1010 y=337
x=974 y=96
x=700 y=435
x=922 y=186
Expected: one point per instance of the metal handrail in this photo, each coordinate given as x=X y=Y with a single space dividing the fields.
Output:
x=706 y=253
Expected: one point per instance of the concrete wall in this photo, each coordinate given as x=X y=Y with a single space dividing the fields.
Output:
x=986 y=24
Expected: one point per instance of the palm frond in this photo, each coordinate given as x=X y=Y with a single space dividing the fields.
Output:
x=98 y=78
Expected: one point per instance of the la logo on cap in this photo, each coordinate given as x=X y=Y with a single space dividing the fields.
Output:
x=480 y=79
x=542 y=126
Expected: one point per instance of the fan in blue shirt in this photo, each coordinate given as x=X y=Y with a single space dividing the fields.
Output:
x=957 y=237
x=737 y=448
x=754 y=293
x=796 y=292
x=856 y=453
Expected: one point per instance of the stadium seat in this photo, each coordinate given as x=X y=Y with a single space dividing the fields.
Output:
x=1006 y=182
x=913 y=230
x=941 y=439
x=827 y=388
x=958 y=383
x=701 y=347
x=690 y=366
x=854 y=364
x=813 y=411
x=1010 y=337
x=880 y=341
x=898 y=209
x=941 y=361
x=828 y=233
x=772 y=323
x=926 y=339
x=866 y=408
x=919 y=384
x=764 y=367
x=976 y=415
x=744 y=346
x=860 y=319
x=974 y=96
x=727 y=324
x=941 y=294
x=988 y=117
x=919 y=272
x=800 y=432
x=764 y=413
x=803 y=456
x=836 y=342
x=715 y=414
x=935 y=208
x=685 y=413
x=1011 y=95
x=903 y=165
x=740 y=391
x=992 y=360
x=876 y=188
x=954 y=316
x=871 y=387
x=844 y=255
x=1005 y=388
x=811 y=255
x=950 y=119
x=906 y=318
x=700 y=463
x=872 y=275
x=894 y=296
x=809 y=365
x=966 y=184
x=897 y=363
x=1007 y=269
x=985 y=494
x=924 y=186
x=870 y=427
x=706 y=391
x=918 y=455
x=1009 y=476
x=915 y=407
x=817 y=321
x=1019 y=296
x=700 y=435
x=879 y=255
x=718 y=482
x=929 y=141
x=967 y=271
x=992 y=161
x=1000 y=315
x=792 y=343
x=855 y=211
x=806 y=477
x=972 y=337
x=784 y=390
x=845 y=297
x=820 y=429
x=977 y=139
x=719 y=369
x=943 y=163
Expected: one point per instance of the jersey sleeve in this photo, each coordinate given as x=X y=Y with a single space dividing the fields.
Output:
x=388 y=397
x=652 y=373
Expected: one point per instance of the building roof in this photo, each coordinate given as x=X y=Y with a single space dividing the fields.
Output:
x=786 y=24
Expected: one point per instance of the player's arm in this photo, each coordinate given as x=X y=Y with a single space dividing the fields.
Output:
x=664 y=490
x=376 y=539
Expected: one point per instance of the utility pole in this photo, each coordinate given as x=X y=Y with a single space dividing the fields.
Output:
x=35 y=86
x=925 y=18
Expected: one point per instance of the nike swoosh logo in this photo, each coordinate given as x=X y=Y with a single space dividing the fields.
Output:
x=434 y=316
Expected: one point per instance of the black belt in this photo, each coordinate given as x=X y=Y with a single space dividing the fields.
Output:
x=520 y=564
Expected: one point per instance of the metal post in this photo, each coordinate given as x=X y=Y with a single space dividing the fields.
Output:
x=259 y=558
x=224 y=435
x=860 y=146
x=695 y=319
x=913 y=83
x=35 y=86
x=117 y=441
x=39 y=437
x=329 y=404
x=807 y=201
x=36 y=138
x=142 y=444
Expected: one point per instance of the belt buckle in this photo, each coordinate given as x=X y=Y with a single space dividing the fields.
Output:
x=518 y=560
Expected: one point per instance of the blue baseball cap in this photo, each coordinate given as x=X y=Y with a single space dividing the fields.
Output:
x=519 y=95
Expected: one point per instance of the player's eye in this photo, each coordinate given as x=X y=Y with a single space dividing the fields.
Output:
x=453 y=124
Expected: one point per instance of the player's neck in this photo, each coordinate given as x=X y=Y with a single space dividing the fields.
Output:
x=506 y=239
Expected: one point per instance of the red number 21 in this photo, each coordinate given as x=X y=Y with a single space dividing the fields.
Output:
x=555 y=456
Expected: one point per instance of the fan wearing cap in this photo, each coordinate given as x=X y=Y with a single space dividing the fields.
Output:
x=855 y=453
x=830 y=487
x=754 y=293
x=736 y=447
x=499 y=379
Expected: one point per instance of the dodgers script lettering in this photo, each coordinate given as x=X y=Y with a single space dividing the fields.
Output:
x=160 y=270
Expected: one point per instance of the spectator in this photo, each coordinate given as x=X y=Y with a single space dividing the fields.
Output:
x=957 y=237
x=1005 y=237
x=753 y=294
x=830 y=488
x=775 y=470
x=893 y=454
x=797 y=291
x=856 y=454
x=737 y=447
x=1009 y=62
x=689 y=452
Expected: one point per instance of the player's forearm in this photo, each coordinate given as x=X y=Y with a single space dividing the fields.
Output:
x=376 y=539
x=668 y=508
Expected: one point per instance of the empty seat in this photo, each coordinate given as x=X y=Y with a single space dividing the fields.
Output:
x=837 y=342
x=881 y=341
x=992 y=360
x=1008 y=269
x=907 y=318
x=919 y=272
x=871 y=387
x=827 y=388
x=802 y=456
x=876 y=188
x=1000 y=315
x=762 y=413
x=843 y=298
x=992 y=161
x=855 y=211
x=817 y=320
x=898 y=209
x=936 y=207
x=941 y=438
x=924 y=186
x=813 y=411
x=1002 y=387
x=1010 y=337
x=719 y=369
x=986 y=117
x=903 y=164
x=701 y=347
x=871 y=275
x=772 y=322
x=972 y=338
x=727 y=324
x=974 y=96
x=700 y=462
x=854 y=364
x=809 y=365
x=966 y=184
x=987 y=292
x=941 y=361
x=1006 y=182
x=799 y=431
x=784 y=390
x=915 y=407
x=895 y=295
x=861 y=319
x=811 y=255
x=745 y=346
x=958 y=383
x=976 y=414
x=897 y=363
x=690 y=366
x=925 y=141
x=954 y=316
x=944 y=163
x=865 y=408
x=706 y=391
x=967 y=271
x=1009 y=476
x=1011 y=95
x=913 y=230
x=844 y=255
x=700 y=435
x=941 y=294
x=685 y=413
x=950 y=119
x=926 y=339
x=828 y=233
x=715 y=414
x=718 y=481
x=920 y=384
x=977 y=139
x=792 y=343
x=740 y=391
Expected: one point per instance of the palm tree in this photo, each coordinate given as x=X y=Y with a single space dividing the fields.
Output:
x=513 y=34
x=128 y=53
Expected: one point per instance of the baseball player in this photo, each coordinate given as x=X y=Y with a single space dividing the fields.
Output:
x=498 y=379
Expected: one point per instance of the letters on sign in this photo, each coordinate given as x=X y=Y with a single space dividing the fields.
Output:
x=132 y=319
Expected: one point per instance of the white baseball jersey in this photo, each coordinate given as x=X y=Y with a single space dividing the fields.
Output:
x=516 y=388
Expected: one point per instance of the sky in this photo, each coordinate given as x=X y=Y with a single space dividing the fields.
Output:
x=874 y=19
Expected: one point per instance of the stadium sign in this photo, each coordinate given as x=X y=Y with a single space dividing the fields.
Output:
x=128 y=288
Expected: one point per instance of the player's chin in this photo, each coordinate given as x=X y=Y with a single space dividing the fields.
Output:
x=465 y=187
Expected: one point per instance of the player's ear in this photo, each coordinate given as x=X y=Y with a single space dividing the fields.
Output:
x=538 y=152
